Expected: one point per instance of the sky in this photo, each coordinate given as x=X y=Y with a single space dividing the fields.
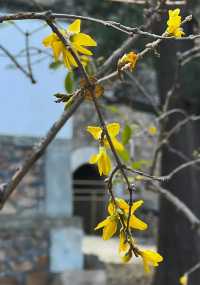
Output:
x=29 y=109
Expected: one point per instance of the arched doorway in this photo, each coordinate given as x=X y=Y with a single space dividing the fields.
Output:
x=89 y=196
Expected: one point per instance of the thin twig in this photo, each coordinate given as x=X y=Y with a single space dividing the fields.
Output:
x=181 y=167
x=28 y=57
x=178 y=204
x=17 y=64
x=144 y=2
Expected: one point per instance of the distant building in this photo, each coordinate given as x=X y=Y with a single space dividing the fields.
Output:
x=40 y=230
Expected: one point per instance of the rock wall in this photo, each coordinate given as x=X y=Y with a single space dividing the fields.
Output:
x=30 y=194
x=38 y=236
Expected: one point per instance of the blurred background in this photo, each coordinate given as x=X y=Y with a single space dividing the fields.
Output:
x=47 y=226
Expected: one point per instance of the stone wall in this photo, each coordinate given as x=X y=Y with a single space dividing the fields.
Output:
x=38 y=236
x=30 y=194
x=24 y=248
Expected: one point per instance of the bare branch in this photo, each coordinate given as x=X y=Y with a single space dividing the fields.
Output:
x=144 y=92
x=178 y=204
x=145 y=2
x=193 y=269
x=17 y=64
x=28 y=57
x=181 y=167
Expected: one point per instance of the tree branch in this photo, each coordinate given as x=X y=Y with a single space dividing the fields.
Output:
x=178 y=204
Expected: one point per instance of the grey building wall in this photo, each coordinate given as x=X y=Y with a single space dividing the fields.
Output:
x=38 y=235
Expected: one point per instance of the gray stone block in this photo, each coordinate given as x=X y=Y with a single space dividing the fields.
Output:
x=58 y=180
x=89 y=277
x=65 y=249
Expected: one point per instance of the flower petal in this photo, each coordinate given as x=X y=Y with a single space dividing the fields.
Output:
x=136 y=223
x=102 y=224
x=111 y=208
x=113 y=129
x=122 y=204
x=128 y=255
x=71 y=59
x=117 y=145
x=150 y=258
x=81 y=49
x=95 y=132
x=136 y=205
x=50 y=39
x=104 y=162
x=83 y=40
x=123 y=244
x=109 y=230
x=57 y=47
x=67 y=63
x=75 y=27
x=94 y=158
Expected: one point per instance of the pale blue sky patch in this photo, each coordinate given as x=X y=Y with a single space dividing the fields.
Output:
x=29 y=109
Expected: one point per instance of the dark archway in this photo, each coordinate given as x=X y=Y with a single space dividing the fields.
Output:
x=89 y=196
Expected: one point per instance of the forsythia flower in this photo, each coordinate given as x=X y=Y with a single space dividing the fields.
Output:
x=127 y=257
x=109 y=225
x=174 y=24
x=103 y=161
x=152 y=130
x=111 y=222
x=124 y=247
x=150 y=258
x=184 y=279
x=75 y=39
x=134 y=222
x=128 y=61
x=123 y=244
x=113 y=131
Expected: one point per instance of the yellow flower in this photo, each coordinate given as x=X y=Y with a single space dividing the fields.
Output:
x=150 y=258
x=113 y=131
x=125 y=250
x=152 y=130
x=184 y=279
x=109 y=225
x=123 y=244
x=127 y=256
x=174 y=24
x=75 y=39
x=103 y=161
x=134 y=222
x=85 y=60
x=128 y=61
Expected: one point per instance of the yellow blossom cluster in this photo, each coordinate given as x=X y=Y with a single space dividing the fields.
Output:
x=121 y=219
x=102 y=159
x=76 y=40
x=174 y=24
x=118 y=210
x=127 y=61
x=115 y=208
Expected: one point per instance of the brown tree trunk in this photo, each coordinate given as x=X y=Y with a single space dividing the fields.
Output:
x=177 y=242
